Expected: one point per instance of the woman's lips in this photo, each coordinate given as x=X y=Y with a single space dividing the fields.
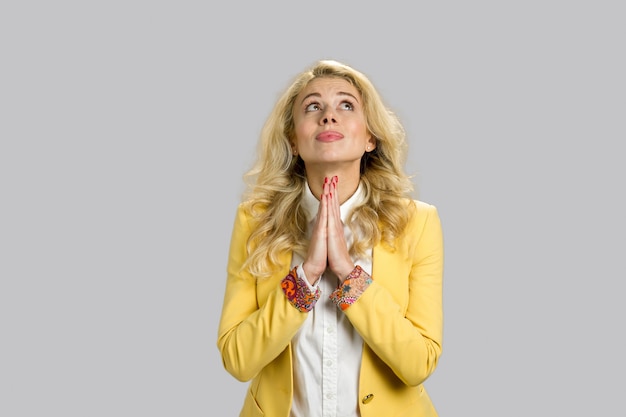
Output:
x=329 y=136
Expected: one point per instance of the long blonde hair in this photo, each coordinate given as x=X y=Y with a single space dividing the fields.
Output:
x=277 y=179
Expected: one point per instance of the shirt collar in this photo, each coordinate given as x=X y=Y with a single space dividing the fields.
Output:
x=311 y=204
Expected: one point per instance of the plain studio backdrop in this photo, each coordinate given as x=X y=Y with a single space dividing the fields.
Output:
x=126 y=128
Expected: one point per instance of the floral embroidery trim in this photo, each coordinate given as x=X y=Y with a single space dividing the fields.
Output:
x=298 y=292
x=352 y=288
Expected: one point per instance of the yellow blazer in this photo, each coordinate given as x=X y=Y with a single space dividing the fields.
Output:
x=399 y=317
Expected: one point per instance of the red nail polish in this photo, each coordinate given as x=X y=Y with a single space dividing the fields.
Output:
x=325 y=180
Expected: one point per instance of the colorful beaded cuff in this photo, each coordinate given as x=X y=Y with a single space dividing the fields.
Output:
x=298 y=293
x=352 y=288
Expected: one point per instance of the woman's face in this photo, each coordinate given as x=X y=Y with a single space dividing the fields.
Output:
x=330 y=123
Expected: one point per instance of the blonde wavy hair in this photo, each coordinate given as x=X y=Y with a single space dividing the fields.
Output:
x=277 y=179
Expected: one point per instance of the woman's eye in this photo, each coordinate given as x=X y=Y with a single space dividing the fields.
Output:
x=346 y=105
x=312 y=107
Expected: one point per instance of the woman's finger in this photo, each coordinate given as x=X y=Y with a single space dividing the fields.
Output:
x=339 y=259
x=316 y=258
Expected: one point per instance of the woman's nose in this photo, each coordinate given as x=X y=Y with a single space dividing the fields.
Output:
x=328 y=117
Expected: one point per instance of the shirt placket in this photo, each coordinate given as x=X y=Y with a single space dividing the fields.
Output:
x=329 y=351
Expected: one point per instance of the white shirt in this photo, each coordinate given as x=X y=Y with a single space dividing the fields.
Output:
x=327 y=349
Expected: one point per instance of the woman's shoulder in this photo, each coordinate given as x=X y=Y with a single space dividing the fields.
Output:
x=250 y=213
x=421 y=211
x=250 y=207
x=419 y=206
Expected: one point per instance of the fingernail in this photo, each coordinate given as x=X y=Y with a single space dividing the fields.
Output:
x=325 y=180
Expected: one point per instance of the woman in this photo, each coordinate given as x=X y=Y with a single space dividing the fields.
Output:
x=333 y=302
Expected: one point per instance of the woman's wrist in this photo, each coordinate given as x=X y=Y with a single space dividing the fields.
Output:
x=311 y=274
x=345 y=272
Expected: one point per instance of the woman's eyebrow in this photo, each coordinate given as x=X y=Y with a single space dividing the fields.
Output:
x=340 y=93
x=310 y=95
x=343 y=93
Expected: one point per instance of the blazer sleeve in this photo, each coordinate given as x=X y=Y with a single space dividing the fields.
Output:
x=407 y=338
x=251 y=335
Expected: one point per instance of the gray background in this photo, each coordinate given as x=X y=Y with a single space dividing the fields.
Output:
x=125 y=130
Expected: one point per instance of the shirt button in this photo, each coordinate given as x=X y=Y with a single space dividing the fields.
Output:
x=329 y=363
x=329 y=329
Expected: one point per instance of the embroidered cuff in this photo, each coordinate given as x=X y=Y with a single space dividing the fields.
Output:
x=352 y=288
x=298 y=293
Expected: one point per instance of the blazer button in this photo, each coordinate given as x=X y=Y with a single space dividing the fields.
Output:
x=367 y=398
